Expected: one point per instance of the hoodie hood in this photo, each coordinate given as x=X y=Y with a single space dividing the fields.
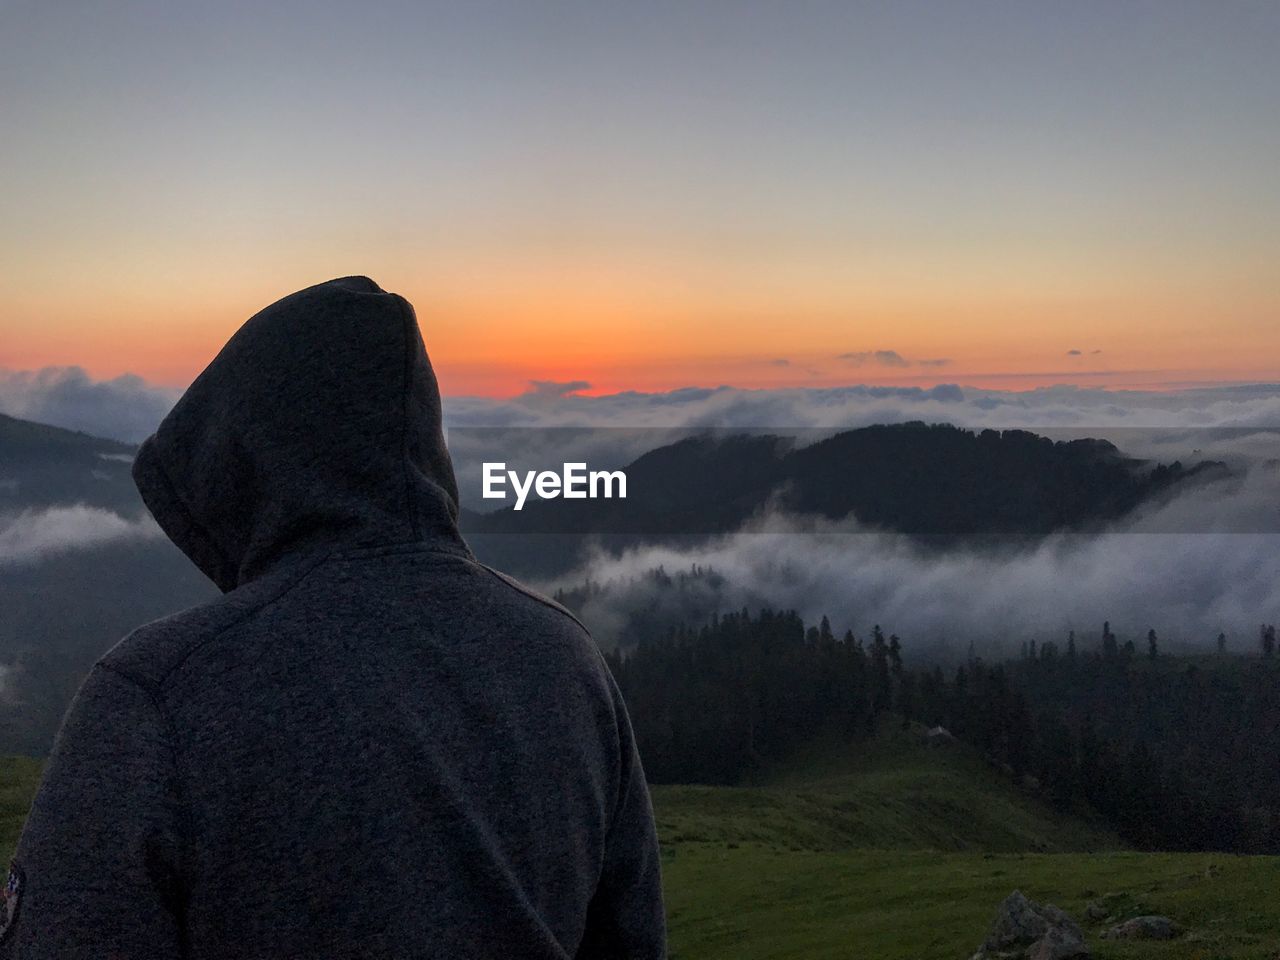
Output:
x=317 y=426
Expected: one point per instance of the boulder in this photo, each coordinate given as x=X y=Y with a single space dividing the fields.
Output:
x=938 y=735
x=1144 y=928
x=1059 y=943
x=1026 y=930
x=1110 y=907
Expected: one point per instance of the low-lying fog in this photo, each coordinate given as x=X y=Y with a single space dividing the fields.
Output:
x=1206 y=562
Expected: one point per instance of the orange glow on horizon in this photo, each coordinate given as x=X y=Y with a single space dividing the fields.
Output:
x=641 y=336
x=622 y=204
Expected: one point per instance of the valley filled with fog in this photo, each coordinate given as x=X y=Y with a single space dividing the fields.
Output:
x=81 y=563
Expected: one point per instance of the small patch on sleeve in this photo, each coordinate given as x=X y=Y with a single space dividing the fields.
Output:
x=11 y=899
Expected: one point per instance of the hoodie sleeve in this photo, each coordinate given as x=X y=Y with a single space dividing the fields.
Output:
x=96 y=872
x=626 y=919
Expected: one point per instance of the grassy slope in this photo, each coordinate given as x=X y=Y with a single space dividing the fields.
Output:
x=897 y=793
x=753 y=903
x=902 y=852
x=880 y=856
x=19 y=777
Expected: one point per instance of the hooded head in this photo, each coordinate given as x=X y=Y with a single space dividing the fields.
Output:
x=317 y=426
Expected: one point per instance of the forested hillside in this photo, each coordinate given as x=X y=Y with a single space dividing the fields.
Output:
x=938 y=483
x=1174 y=753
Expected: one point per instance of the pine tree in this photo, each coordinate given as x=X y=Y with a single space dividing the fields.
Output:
x=879 y=670
x=895 y=654
x=1109 y=648
x=1153 y=647
x=1222 y=643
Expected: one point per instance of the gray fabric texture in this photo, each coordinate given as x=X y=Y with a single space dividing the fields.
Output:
x=370 y=745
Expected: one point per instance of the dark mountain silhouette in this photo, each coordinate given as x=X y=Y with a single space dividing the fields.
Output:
x=943 y=480
x=936 y=482
x=62 y=610
x=43 y=466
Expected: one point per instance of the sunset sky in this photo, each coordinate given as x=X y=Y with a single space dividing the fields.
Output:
x=654 y=195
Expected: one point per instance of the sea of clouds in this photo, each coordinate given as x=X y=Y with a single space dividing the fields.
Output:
x=1207 y=561
x=1188 y=587
x=123 y=408
x=128 y=408
x=29 y=536
x=1204 y=562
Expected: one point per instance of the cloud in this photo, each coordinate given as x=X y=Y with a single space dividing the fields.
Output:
x=610 y=431
x=1204 y=561
x=888 y=358
x=1188 y=586
x=32 y=535
x=779 y=362
x=881 y=358
x=1065 y=408
x=123 y=408
x=553 y=389
x=1074 y=353
x=946 y=393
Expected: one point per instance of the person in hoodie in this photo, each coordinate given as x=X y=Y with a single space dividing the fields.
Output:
x=371 y=745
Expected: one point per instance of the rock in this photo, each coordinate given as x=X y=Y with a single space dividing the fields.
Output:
x=1018 y=923
x=936 y=735
x=1028 y=930
x=1059 y=943
x=1144 y=928
x=1110 y=907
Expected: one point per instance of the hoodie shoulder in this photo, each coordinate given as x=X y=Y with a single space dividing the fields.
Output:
x=153 y=651
x=532 y=594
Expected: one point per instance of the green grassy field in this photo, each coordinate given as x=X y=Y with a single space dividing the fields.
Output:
x=753 y=902
x=896 y=793
x=19 y=777
x=902 y=851
x=899 y=851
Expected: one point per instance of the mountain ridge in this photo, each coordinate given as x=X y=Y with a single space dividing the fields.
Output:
x=936 y=482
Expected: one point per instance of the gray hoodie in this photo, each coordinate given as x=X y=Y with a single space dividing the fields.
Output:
x=371 y=745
